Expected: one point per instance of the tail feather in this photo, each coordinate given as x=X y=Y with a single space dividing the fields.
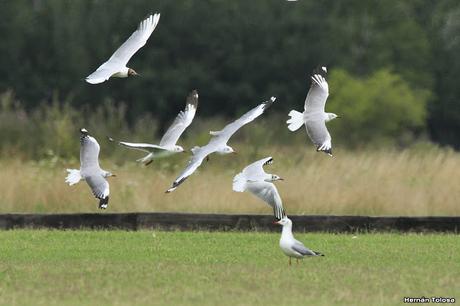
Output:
x=296 y=120
x=239 y=183
x=73 y=177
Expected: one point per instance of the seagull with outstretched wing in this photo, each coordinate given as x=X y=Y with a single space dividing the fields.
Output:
x=314 y=117
x=167 y=145
x=218 y=143
x=116 y=65
x=254 y=179
x=90 y=171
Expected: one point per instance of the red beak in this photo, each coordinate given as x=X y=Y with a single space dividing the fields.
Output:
x=275 y=222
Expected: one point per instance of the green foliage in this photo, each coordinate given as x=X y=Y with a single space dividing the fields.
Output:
x=380 y=108
x=235 y=53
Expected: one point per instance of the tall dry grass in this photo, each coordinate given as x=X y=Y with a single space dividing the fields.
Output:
x=411 y=182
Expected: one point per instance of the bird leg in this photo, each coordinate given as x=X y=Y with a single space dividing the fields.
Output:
x=207 y=158
x=297 y=260
x=289 y=260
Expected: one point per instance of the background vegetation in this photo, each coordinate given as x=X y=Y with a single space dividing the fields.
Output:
x=394 y=61
x=393 y=70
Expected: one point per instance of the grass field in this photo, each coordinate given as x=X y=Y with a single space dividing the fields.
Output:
x=202 y=268
x=411 y=182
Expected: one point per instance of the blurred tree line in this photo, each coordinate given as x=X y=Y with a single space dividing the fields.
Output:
x=393 y=64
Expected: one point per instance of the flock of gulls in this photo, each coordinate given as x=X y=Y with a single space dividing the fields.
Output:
x=253 y=178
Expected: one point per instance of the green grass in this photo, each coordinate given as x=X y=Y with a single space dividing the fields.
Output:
x=201 y=268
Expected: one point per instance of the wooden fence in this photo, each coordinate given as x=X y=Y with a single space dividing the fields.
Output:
x=225 y=222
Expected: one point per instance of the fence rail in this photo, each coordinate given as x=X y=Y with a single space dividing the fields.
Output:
x=227 y=222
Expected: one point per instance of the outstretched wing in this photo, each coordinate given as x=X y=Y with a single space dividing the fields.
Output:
x=253 y=172
x=100 y=188
x=319 y=135
x=89 y=152
x=182 y=121
x=224 y=135
x=144 y=147
x=318 y=93
x=123 y=54
x=269 y=193
x=199 y=155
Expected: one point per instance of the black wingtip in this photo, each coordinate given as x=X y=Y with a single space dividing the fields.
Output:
x=270 y=102
x=321 y=70
x=104 y=202
x=327 y=151
x=192 y=98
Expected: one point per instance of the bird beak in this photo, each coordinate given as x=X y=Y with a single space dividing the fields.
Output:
x=339 y=116
x=234 y=152
x=281 y=179
x=114 y=175
x=185 y=151
x=276 y=222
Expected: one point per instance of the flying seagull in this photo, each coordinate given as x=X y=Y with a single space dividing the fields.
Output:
x=314 y=116
x=289 y=245
x=254 y=179
x=116 y=65
x=218 y=142
x=90 y=170
x=167 y=145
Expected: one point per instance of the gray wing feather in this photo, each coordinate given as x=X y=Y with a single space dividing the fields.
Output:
x=99 y=186
x=318 y=133
x=268 y=193
x=144 y=147
x=89 y=152
x=199 y=155
x=182 y=121
x=224 y=135
x=300 y=248
x=317 y=95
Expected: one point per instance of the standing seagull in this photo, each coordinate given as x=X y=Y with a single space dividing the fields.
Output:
x=167 y=144
x=289 y=245
x=314 y=116
x=254 y=179
x=90 y=170
x=116 y=65
x=218 y=142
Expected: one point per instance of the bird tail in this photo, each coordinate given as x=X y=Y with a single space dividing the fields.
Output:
x=73 y=177
x=318 y=253
x=296 y=120
x=239 y=182
x=146 y=160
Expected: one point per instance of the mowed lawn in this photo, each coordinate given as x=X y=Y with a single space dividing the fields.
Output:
x=39 y=267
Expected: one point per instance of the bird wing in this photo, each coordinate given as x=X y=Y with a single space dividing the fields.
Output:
x=268 y=192
x=99 y=186
x=198 y=155
x=144 y=147
x=123 y=54
x=319 y=135
x=300 y=248
x=89 y=153
x=224 y=135
x=253 y=172
x=318 y=93
x=182 y=121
